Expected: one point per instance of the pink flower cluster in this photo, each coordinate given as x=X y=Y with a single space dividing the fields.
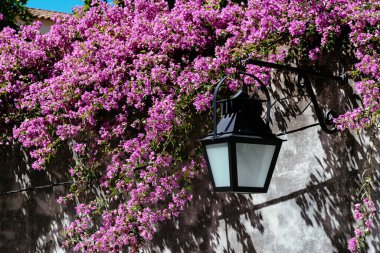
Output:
x=363 y=214
x=125 y=87
x=364 y=23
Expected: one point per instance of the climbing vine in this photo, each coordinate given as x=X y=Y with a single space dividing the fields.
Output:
x=125 y=87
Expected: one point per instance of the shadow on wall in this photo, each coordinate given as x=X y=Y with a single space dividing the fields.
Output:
x=324 y=203
x=30 y=221
x=336 y=187
x=198 y=228
x=338 y=180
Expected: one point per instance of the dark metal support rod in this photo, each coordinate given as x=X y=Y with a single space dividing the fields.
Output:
x=298 y=129
x=303 y=72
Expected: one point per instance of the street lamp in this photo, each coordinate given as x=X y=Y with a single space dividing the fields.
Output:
x=242 y=152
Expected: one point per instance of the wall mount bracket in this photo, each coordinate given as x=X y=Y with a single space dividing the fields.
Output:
x=325 y=119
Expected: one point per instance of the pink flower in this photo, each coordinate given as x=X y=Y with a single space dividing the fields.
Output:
x=371 y=206
x=358 y=232
x=79 y=148
x=314 y=54
x=358 y=215
x=352 y=245
x=203 y=102
x=60 y=200
x=368 y=224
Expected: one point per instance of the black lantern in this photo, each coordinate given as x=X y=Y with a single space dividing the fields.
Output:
x=242 y=152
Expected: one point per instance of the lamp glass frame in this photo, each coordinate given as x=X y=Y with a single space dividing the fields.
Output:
x=232 y=139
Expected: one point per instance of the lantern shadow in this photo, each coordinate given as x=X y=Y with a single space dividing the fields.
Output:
x=337 y=185
x=289 y=102
x=209 y=222
x=346 y=157
x=333 y=188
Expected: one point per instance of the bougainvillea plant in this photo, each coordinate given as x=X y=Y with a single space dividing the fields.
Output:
x=127 y=88
x=363 y=213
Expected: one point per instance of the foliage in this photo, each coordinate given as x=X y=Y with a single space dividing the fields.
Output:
x=10 y=10
x=128 y=87
x=364 y=213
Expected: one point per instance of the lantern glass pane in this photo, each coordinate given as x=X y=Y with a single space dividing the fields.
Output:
x=219 y=163
x=253 y=162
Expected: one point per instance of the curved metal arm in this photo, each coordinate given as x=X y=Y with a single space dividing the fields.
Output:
x=324 y=120
x=263 y=88
x=214 y=103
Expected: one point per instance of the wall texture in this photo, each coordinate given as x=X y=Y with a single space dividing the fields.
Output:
x=30 y=221
x=45 y=25
x=307 y=208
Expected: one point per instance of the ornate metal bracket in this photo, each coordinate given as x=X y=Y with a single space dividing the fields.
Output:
x=325 y=120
